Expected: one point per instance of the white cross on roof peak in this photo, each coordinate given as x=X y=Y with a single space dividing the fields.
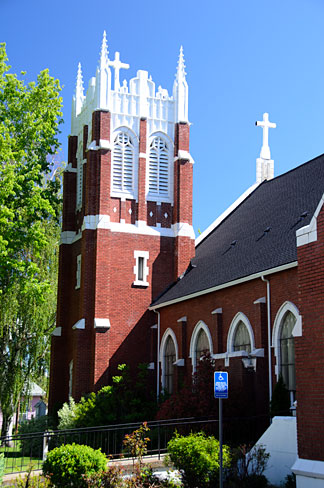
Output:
x=266 y=125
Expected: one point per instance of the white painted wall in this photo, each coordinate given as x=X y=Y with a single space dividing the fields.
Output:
x=280 y=441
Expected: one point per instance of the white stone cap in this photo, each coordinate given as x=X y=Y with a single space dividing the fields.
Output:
x=101 y=323
x=57 y=332
x=80 y=324
x=182 y=319
x=308 y=468
x=217 y=311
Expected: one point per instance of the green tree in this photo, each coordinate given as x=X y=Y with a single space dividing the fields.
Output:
x=30 y=202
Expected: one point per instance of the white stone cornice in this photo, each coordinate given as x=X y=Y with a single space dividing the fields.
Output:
x=92 y=222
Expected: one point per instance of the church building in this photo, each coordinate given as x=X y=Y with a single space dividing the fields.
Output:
x=135 y=286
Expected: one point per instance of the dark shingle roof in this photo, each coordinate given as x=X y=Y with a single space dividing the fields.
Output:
x=259 y=234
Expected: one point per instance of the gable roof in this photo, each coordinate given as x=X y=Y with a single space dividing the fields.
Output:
x=260 y=233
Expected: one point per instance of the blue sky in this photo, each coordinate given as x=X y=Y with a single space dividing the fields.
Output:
x=243 y=59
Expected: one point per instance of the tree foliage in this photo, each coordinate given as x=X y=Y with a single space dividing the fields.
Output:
x=126 y=400
x=30 y=115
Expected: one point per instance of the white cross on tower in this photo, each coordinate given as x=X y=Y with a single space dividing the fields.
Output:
x=265 y=124
x=117 y=65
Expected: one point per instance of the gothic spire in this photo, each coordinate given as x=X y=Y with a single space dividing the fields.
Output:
x=104 y=52
x=180 y=90
x=181 y=73
x=79 y=95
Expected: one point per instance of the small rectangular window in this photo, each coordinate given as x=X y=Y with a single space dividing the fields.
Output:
x=141 y=269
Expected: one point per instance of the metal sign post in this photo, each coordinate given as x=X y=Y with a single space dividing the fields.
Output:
x=220 y=392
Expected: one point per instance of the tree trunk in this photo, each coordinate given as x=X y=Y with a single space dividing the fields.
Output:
x=6 y=419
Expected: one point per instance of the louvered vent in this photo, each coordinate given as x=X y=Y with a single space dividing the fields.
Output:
x=159 y=167
x=123 y=163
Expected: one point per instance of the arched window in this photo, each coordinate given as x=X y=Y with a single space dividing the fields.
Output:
x=202 y=345
x=240 y=335
x=123 y=162
x=287 y=353
x=169 y=359
x=241 y=341
x=159 y=168
x=287 y=326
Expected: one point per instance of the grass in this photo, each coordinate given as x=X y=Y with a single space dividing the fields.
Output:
x=15 y=462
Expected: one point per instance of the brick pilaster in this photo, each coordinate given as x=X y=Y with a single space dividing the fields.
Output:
x=142 y=171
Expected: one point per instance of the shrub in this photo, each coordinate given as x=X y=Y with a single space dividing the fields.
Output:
x=67 y=415
x=128 y=399
x=111 y=478
x=197 y=458
x=67 y=465
x=136 y=443
x=280 y=402
x=248 y=466
x=33 y=445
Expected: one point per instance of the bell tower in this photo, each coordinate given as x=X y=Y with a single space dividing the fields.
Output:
x=127 y=223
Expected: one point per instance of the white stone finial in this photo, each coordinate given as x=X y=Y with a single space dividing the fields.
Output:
x=103 y=77
x=180 y=91
x=79 y=95
x=117 y=64
x=266 y=125
x=181 y=73
x=104 y=51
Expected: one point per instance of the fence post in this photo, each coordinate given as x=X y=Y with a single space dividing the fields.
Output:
x=45 y=444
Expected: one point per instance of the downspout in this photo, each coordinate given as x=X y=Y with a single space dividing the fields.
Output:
x=269 y=335
x=158 y=357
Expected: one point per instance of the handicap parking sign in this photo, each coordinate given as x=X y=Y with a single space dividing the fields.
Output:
x=220 y=384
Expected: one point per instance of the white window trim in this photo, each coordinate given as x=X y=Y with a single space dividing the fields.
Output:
x=78 y=271
x=231 y=333
x=151 y=196
x=126 y=194
x=168 y=333
x=145 y=255
x=276 y=331
x=194 y=336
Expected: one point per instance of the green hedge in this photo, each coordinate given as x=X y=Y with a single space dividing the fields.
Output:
x=69 y=464
x=197 y=458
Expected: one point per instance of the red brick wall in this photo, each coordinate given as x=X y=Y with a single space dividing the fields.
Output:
x=107 y=289
x=310 y=348
x=232 y=300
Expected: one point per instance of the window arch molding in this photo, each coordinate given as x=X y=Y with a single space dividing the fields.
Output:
x=168 y=333
x=277 y=326
x=127 y=193
x=239 y=317
x=157 y=196
x=194 y=337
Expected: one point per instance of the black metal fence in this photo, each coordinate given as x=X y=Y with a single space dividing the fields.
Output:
x=23 y=451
